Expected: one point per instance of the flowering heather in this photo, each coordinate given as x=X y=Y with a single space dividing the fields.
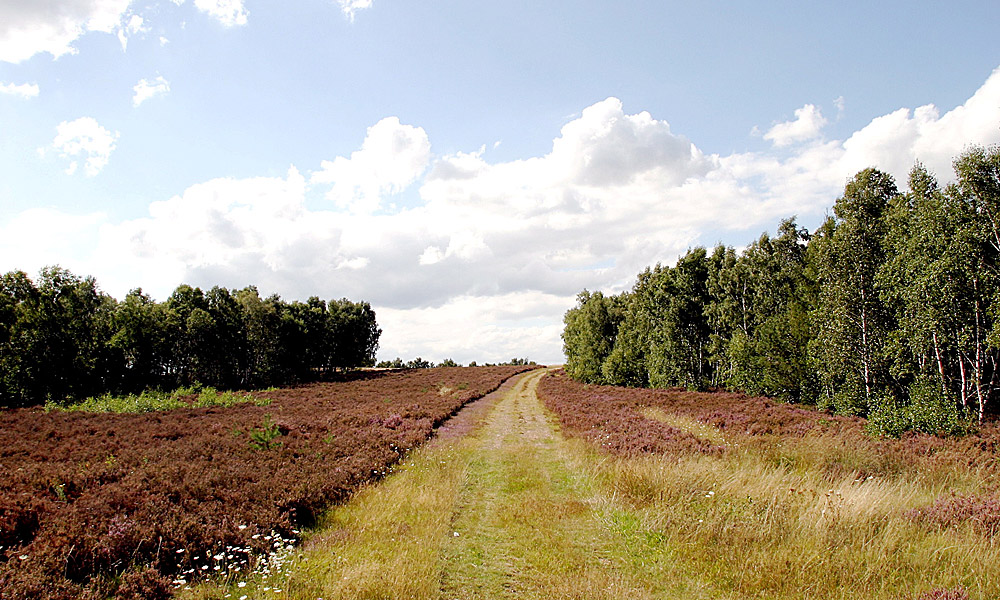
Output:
x=981 y=513
x=612 y=417
x=129 y=505
x=958 y=593
x=612 y=420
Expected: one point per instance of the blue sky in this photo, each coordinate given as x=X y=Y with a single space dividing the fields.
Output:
x=467 y=167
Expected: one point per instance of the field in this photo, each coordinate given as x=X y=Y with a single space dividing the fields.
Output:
x=747 y=497
x=138 y=505
x=546 y=488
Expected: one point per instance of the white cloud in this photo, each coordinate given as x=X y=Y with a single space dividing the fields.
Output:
x=391 y=158
x=493 y=253
x=84 y=139
x=31 y=27
x=39 y=237
x=135 y=25
x=840 y=104
x=228 y=12
x=24 y=90
x=480 y=328
x=146 y=89
x=351 y=7
x=808 y=123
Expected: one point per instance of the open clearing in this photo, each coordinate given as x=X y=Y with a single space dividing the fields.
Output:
x=501 y=505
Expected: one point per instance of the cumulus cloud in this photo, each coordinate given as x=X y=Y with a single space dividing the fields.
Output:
x=147 y=88
x=491 y=254
x=808 y=123
x=228 y=12
x=84 y=139
x=39 y=237
x=480 y=328
x=351 y=7
x=31 y=27
x=392 y=157
x=24 y=90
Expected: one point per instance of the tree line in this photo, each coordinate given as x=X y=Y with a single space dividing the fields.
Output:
x=889 y=310
x=62 y=338
x=420 y=363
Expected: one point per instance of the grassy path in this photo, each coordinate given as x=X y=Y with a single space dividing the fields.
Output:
x=500 y=505
x=494 y=507
x=525 y=523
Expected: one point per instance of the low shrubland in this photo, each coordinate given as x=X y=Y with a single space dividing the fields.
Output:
x=804 y=503
x=136 y=505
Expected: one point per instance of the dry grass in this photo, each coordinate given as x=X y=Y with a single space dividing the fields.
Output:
x=700 y=430
x=762 y=529
x=512 y=509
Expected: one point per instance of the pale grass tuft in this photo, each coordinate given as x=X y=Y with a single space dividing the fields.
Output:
x=702 y=431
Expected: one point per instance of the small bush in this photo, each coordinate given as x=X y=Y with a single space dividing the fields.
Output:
x=930 y=410
x=262 y=438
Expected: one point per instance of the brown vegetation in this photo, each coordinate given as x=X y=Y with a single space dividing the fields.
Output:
x=618 y=419
x=127 y=505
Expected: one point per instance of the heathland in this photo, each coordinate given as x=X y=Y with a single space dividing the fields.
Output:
x=551 y=488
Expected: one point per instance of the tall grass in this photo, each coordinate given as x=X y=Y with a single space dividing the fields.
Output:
x=771 y=522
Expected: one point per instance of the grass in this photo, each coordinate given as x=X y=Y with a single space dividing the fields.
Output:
x=515 y=510
x=156 y=400
x=384 y=543
x=695 y=427
x=790 y=532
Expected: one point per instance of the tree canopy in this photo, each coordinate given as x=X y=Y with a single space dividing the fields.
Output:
x=62 y=338
x=889 y=310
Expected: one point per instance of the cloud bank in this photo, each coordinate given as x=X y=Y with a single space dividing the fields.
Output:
x=491 y=254
x=37 y=26
x=24 y=90
x=30 y=27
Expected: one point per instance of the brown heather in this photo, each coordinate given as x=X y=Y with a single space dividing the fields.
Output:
x=618 y=419
x=805 y=502
x=125 y=505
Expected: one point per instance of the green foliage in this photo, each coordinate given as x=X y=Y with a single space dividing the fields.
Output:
x=589 y=335
x=927 y=409
x=262 y=438
x=62 y=339
x=890 y=309
x=147 y=401
x=154 y=400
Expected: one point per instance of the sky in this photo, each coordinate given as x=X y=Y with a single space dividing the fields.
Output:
x=465 y=167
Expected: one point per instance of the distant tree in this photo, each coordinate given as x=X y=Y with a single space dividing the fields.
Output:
x=679 y=344
x=419 y=363
x=139 y=335
x=55 y=337
x=768 y=348
x=354 y=332
x=854 y=320
x=261 y=321
x=589 y=335
x=448 y=363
